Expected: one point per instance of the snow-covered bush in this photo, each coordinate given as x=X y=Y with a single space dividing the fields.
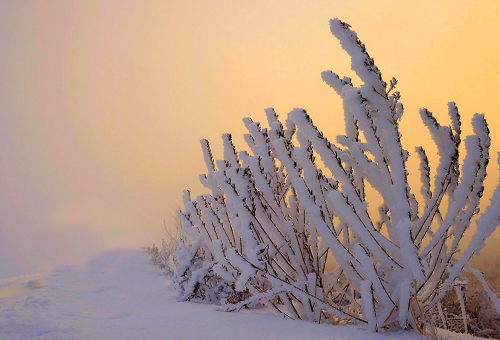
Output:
x=277 y=212
x=165 y=257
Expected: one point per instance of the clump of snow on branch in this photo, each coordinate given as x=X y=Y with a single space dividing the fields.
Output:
x=277 y=212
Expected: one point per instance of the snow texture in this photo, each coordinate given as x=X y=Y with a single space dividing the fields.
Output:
x=121 y=296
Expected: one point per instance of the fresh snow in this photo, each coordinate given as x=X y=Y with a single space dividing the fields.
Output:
x=120 y=295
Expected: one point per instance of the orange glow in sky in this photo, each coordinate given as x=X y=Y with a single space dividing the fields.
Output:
x=103 y=103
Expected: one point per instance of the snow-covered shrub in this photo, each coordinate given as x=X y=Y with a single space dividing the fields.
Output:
x=275 y=213
x=165 y=257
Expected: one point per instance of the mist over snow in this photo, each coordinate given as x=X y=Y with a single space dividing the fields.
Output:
x=102 y=105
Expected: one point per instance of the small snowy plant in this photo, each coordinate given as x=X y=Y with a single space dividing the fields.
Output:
x=276 y=213
x=165 y=257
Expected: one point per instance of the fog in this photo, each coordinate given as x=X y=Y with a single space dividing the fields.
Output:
x=103 y=103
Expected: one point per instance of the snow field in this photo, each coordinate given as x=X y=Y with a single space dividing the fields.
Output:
x=120 y=295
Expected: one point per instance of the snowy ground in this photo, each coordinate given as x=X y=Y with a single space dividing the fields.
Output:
x=120 y=295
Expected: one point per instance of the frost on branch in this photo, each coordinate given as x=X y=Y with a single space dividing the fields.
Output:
x=277 y=212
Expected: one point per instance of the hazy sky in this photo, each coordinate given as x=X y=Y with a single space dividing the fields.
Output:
x=103 y=103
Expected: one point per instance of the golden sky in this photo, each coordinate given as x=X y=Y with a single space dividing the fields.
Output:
x=103 y=103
